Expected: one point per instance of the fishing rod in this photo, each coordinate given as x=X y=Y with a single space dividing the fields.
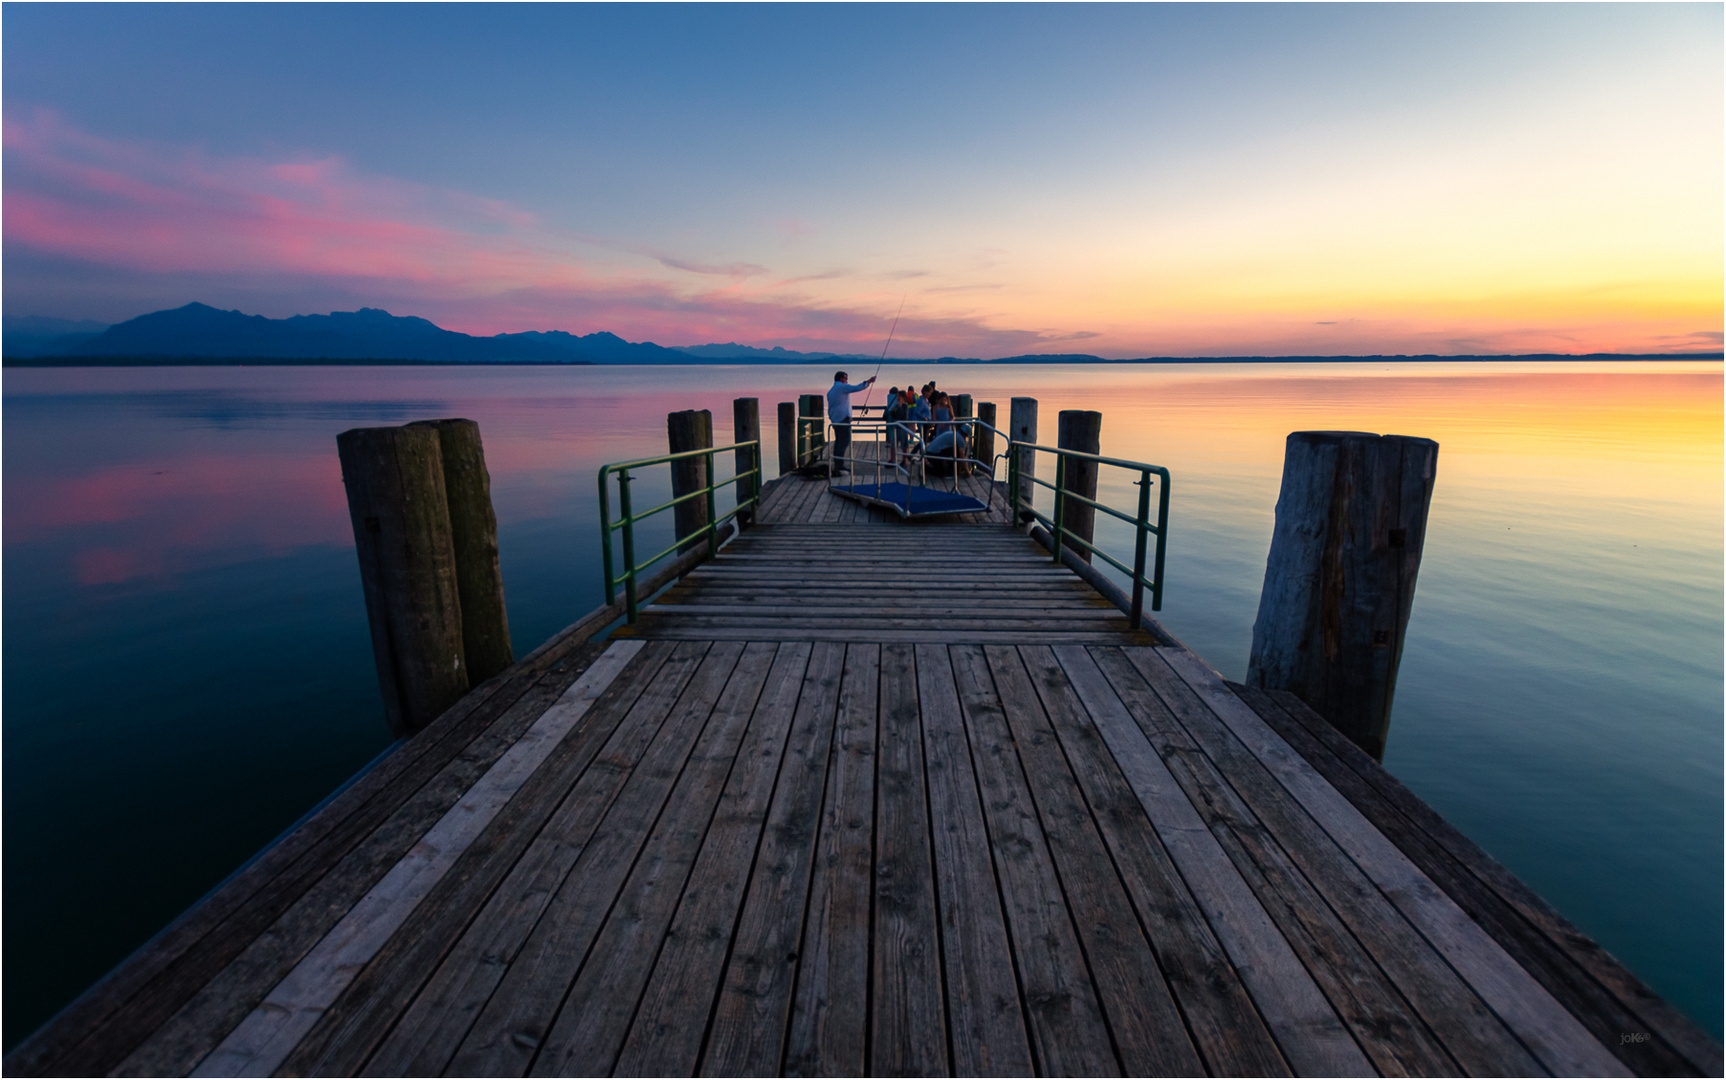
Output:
x=869 y=393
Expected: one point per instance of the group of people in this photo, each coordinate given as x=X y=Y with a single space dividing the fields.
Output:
x=913 y=416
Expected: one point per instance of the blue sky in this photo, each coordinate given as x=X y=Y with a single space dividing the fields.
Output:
x=1119 y=179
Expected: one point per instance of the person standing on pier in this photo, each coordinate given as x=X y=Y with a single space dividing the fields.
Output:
x=839 y=414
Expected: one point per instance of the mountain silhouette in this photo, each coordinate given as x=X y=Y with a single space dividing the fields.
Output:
x=199 y=331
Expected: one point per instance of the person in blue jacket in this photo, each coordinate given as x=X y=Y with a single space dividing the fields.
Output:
x=839 y=415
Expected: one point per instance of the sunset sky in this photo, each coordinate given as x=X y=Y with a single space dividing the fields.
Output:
x=1124 y=180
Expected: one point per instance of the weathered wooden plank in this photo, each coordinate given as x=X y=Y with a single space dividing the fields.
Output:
x=1552 y=950
x=773 y=496
x=663 y=1040
x=1323 y=908
x=796 y=491
x=429 y=1032
x=832 y=506
x=887 y=586
x=1069 y=1034
x=887 y=538
x=774 y=632
x=740 y=601
x=109 y=1021
x=226 y=996
x=901 y=615
x=596 y=1013
x=1512 y=995
x=514 y=1022
x=908 y=1035
x=956 y=556
x=811 y=510
x=870 y=620
x=983 y=1010
x=951 y=574
x=876 y=584
x=262 y=1041
x=1308 y=1030
x=361 y=1016
x=829 y=1030
x=1147 y=1028
x=753 y=1011
x=1225 y=1027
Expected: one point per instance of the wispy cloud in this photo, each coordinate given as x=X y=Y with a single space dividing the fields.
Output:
x=736 y=270
x=316 y=225
x=1695 y=339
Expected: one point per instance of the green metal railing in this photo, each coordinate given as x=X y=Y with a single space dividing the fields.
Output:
x=1142 y=525
x=709 y=531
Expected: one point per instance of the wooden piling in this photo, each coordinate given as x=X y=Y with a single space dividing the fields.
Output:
x=811 y=428
x=962 y=406
x=746 y=421
x=473 y=535
x=787 y=436
x=983 y=439
x=395 y=486
x=691 y=429
x=1339 y=582
x=1080 y=429
x=1022 y=428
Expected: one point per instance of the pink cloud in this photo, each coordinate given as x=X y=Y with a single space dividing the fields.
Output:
x=474 y=264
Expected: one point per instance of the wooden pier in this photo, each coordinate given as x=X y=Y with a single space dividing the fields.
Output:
x=870 y=797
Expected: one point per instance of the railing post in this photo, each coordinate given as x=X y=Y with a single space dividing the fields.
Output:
x=1060 y=499
x=811 y=435
x=787 y=437
x=746 y=421
x=1162 y=539
x=605 y=534
x=691 y=429
x=1081 y=430
x=983 y=439
x=623 y=507
x=1139 y=550
x=712 y=514
x=1339 y=582
x=1022 y=428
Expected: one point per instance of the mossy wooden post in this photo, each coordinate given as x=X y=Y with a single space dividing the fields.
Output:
x=746 y=422
x=395 y=485
x=983 y=439
x=787 y=436
x=811 y=428
x=691 y=429
x=1080 y=429
x=473 y=533
x=1022 y=428
x=1339 y=583
x=962 y=407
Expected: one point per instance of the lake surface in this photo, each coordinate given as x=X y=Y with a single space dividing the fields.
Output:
x=188 y=671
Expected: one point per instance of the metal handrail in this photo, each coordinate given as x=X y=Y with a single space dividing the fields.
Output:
x=918 y=448
x=1059 y=536
x=627 y=522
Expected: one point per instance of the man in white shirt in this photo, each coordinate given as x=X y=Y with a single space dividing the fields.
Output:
x=839 y=414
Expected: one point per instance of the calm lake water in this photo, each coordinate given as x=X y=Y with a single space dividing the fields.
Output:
x=187 y=667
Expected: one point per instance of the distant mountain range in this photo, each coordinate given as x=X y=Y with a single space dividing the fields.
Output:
x=200 y=334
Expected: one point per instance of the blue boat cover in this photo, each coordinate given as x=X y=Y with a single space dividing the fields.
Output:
x=913 y=501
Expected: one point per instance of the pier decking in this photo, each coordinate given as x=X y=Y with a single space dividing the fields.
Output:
x=871 y=797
